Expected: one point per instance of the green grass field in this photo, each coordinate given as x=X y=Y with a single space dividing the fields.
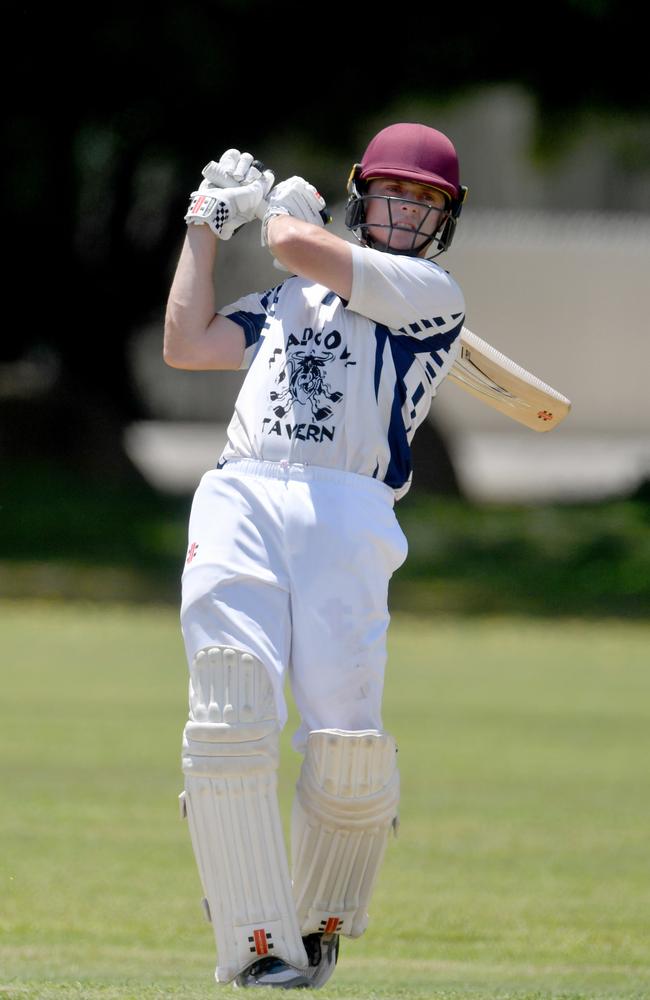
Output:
x=522 y=866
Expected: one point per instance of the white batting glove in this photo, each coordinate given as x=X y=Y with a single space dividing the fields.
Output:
x=295 y=197
x=225 y=210
x=234 y=169
x=235 y=200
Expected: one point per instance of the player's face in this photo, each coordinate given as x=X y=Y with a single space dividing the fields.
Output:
x=413 y=212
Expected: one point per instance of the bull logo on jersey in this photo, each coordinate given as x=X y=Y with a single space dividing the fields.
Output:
x=303 y=381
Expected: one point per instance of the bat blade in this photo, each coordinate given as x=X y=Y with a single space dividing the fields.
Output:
x=505 y=386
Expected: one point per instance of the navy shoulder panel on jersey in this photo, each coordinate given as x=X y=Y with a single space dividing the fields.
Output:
x=404 y=349
x=405 y=352
x=270 y=297
x=253 y=322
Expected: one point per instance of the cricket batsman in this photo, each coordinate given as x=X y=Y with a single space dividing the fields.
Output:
x=293 y=537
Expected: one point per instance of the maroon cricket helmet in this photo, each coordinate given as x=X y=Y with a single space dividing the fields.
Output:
x=413 y=152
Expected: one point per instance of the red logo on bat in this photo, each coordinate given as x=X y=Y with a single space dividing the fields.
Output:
x=191 y=552
x=261 y=944
x=545 y=415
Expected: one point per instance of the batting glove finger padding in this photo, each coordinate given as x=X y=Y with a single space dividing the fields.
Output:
x=234 y=169
x=225 y=210
x=295 y=197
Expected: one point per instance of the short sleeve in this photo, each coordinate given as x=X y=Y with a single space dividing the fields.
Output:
x=409 y=294
x=251 y=312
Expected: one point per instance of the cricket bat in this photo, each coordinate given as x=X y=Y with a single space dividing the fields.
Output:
x=505 y=386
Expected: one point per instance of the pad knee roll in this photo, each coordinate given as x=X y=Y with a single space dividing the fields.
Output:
x=230 y=758
x=233 y=722
x=346 y=803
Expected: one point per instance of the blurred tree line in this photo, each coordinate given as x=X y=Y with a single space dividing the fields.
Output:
x=110 y=112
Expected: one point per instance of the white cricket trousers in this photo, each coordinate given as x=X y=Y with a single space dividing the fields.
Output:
x=292 y=563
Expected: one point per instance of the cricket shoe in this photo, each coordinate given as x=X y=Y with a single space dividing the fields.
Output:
x=272 y=972
x=323 y=952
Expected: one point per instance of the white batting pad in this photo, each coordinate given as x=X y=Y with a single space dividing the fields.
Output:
x=346 y=802
x=230 y=759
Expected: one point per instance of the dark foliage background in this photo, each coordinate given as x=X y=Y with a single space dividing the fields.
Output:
x=109 y=114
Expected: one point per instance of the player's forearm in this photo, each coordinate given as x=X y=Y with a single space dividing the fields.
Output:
x=311 y=252
x=191 y=302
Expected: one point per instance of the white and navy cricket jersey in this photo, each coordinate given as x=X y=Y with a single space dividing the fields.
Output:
x=342 y=384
